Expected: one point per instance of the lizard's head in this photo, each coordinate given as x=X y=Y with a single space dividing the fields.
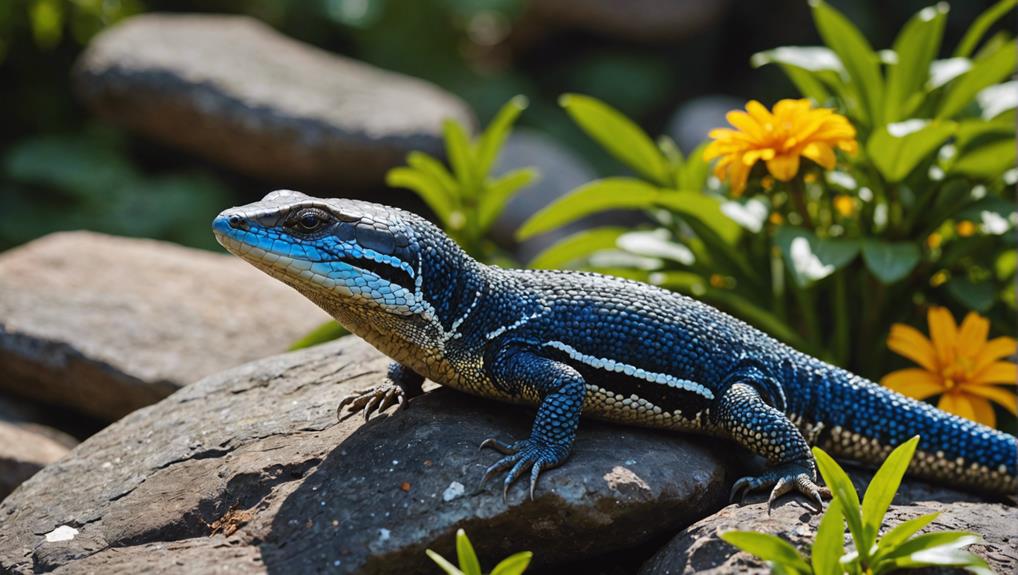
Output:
x=341 y=254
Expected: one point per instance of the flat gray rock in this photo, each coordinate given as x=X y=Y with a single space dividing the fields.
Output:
x=24 y=450
x=236 y=92
x=698 y=549
x=248 y=471
x=106 y=325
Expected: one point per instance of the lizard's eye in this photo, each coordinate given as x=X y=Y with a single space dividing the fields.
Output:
x=309 y=220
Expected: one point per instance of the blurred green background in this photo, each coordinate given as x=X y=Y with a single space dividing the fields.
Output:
x=62 y=169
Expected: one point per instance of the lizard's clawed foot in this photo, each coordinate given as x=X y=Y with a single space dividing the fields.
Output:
x=520 y=456
x=372 y=400
x=784 y=479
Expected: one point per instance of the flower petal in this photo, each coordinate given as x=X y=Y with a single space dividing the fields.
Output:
x=997 y=372
x=738 y=173
x=1005 y=397
x=957 y=404
x=982 y=411
x=994 y=349
x=820 y=153
x=783 y=167
x=943 y=332
x=913 y=382
x=759 y=113
x=972 y=335
x=909 y=342
x=745 y=123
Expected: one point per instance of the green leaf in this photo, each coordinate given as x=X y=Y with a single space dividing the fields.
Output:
x=466 y=555
x=884 y=484
x=829 y=545
x=983 y=23
x=903 y=531
x=328 y=331
x=810 y=258
x=592 y=197
x=975 y=296
x=889 y=261
x=576 y=246
x=493 y=138
x=987 y=71
x=618 y=135
x=695 y=170
x=769 y=548
x=655 y=244
x=987 y=161
x=513 y=564
x=943 y=548
x=916 y=46
x=435 y=169
x=499 y=192
x=428 y=188
x=843 y=490
x=808 y=58
x=449 y=568
x=896 y=149
x=703 y=207
x=457 y=147
x=999 y=98
x=855 y=54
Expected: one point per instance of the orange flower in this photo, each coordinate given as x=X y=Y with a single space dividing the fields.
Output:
x=957 y=363
x=795 y=129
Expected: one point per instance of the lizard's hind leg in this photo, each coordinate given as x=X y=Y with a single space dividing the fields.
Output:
x=742 y=415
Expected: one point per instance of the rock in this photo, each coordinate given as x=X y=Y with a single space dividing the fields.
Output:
x=248 y=471
x=107 y=325
x=640 y=20
x=698 y=549
x=234 y=91
x=23 y=452
x=694 y=119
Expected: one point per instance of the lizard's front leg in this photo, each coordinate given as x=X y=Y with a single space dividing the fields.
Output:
x=561 y=389
x=742 y=415
x=403 y=384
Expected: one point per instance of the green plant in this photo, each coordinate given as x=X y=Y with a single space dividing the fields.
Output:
x=920 y=215
x=898 y=548
x=469 y=565
x=467 y=200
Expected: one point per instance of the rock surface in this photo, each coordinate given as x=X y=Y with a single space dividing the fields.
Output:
x=106 y=325
x=234 y=91
x=24 y=450
x=248 y=471
x=698 y=549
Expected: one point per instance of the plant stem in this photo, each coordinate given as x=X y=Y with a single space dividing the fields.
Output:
x=797 y=191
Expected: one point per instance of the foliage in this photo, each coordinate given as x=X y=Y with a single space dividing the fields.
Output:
x=898 y=548
x=87 y=181
x=468 y=199
x=469 y=565
x=919 y=216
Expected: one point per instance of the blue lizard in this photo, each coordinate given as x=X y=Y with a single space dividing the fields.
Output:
x=574 y=342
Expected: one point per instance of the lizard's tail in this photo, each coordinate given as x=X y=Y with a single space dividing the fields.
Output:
x=865 y=421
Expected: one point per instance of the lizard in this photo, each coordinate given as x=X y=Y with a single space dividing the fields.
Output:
x=572 y=343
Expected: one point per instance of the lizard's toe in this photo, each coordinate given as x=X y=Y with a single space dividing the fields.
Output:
x=521 y=456
x=372 y=400
x=784 y=479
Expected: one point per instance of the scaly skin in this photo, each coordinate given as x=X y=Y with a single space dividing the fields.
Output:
x=573 y=343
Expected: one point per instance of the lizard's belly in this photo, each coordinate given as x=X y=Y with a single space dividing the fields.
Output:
x=601 y=403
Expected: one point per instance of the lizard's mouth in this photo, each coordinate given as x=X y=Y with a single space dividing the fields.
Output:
x=262 y=251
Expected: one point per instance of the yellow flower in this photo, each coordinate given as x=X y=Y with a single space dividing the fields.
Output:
x=965 y=228
x=957 y=363
x=845 y=205
x=794 y=129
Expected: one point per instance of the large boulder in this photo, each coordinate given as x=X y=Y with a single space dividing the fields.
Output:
x=249 y=471
x=234 y=91
x=698 y=549
x=106 y=325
